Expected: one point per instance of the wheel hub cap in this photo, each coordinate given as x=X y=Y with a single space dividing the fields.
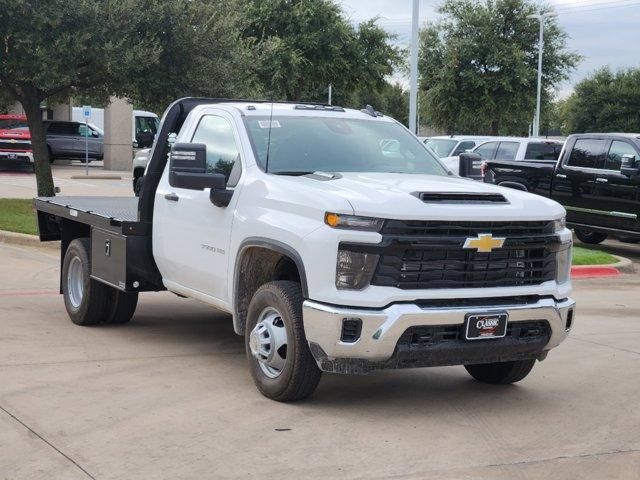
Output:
x=75 y=282
x=268 y=342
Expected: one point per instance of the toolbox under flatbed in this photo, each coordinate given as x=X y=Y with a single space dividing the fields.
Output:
x=120 y=243
x=117 y=214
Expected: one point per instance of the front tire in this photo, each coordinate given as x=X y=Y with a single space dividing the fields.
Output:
x=501 y=373
x=280 y=362
x=592 y=238
x=86 y=300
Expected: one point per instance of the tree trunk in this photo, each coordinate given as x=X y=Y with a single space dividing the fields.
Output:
x=44 y=178
x=495 y=128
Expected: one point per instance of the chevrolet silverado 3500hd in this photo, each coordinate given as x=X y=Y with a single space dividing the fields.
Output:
x=334 y=237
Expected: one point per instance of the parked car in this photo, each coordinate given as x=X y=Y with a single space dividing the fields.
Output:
x=596 y=179
x=70 y=139
x=511 y=148
x=337 y=241
x=140 y=161
x=144 y=125
x=453 y=145
x=15 y=141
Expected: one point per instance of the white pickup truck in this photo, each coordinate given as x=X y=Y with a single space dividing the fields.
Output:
x=333 y=237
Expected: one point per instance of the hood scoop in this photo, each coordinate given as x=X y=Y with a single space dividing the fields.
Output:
x=461 y=198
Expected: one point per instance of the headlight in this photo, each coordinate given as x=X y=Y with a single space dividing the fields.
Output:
x=563 y=263
x=354 y=269
x=559 y=224
x=353 y=222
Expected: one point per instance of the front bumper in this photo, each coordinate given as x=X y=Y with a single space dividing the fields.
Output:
x=378 y=344
x=17 y=157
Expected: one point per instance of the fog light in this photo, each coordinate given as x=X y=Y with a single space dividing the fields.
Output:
x=351 y=330
x=354 y=269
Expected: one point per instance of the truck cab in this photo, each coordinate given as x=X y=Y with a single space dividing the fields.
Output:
x=335 y=239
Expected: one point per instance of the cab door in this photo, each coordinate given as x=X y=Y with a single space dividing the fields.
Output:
x=191 y=235
x=574 y=183
x=618 y=194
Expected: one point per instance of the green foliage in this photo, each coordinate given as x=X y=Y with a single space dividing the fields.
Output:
x=479 y=66
x=16 y=215
x=303 y=46
x=585 y=256
x=151 y=52
x=604 y=102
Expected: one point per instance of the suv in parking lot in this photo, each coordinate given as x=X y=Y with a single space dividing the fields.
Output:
x=67 y=140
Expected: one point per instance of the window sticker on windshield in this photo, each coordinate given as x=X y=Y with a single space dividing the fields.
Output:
x=265 y=123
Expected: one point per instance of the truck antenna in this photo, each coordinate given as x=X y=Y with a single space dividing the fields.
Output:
x=266 y=162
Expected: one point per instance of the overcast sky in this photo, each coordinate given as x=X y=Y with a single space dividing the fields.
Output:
x=604 y=32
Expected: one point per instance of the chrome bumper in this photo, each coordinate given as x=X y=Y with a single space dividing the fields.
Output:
x=381 y=329
x=15 y=156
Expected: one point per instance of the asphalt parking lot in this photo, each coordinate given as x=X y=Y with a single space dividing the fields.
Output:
x=170 y=396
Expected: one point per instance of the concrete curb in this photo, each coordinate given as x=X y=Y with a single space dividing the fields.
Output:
x=13 y=238
x=96 y=177
x=623 y=265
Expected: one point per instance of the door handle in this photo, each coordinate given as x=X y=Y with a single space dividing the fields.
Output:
x=172 y=197
x=601 y=180
x=561 y=175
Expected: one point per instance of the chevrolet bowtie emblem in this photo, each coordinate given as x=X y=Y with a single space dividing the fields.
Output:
x=484 y=243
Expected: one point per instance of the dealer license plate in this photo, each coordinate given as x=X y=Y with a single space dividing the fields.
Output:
x=481 y=326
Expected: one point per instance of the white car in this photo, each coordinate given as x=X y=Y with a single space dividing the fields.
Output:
x=453 y=145
x=335 y=239
x=512 y=148
x=140 y=161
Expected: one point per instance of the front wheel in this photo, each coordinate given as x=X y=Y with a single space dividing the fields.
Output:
x=590 y=237
x=501 y=373
x=281 y=364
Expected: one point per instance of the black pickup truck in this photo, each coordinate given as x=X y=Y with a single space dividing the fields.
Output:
x=596 y=178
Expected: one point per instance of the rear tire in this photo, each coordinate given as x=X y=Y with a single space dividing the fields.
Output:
x=280 y=361
x=501 y=373
x=592 y=238
x=122 y=307
x=86 y=300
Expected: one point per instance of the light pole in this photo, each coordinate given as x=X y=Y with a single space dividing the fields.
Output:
x=413 y=83
x=541 y=18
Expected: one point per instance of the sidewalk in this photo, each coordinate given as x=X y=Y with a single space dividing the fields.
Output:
x=22 y=183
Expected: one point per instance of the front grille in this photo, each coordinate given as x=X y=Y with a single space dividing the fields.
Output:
x=18 y=145
x=420 y=337
x=465 y=229
x=431 y=255
x=413 y=267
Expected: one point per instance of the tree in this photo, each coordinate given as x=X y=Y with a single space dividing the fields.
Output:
x=479 y=65
x=606 y=101
x=305 y=46
x=151 y=51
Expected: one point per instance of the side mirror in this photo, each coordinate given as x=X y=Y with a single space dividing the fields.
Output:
x=188 y=168
x=629 y=167
x=469 y=165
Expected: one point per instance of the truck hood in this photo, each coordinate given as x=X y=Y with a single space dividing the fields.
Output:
x=393 y=195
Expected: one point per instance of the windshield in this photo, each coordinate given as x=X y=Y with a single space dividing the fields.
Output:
x=322 y=144
x=13 y=124
x=442 y=147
